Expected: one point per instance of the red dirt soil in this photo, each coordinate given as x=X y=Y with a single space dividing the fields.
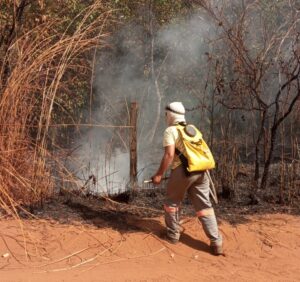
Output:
x=265 y=248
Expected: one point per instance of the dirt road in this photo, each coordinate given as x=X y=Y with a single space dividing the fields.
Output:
x=264 y=248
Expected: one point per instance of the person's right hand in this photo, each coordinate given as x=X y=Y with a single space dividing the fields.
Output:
x=156 y=179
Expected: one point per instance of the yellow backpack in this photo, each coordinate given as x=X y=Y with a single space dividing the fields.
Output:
x=198 y=156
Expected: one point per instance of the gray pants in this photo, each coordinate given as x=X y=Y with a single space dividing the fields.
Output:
x=197 y=187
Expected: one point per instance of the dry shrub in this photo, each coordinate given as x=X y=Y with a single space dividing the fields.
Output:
x=31 y=78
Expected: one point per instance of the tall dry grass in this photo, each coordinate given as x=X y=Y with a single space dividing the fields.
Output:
x=32 y=76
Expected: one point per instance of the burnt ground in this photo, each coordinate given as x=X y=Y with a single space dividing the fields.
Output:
x=119 y=211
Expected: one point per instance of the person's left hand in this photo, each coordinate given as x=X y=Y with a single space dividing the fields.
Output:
x=156 y=179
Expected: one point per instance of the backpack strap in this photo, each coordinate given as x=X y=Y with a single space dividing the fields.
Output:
x=183 y=160
x=181 y=156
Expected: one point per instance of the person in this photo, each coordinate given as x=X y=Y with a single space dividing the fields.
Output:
x=196 y=185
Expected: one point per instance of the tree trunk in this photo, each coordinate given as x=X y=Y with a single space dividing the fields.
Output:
x=257 y=149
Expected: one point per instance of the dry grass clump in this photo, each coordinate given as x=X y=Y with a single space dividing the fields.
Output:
x=32 y=77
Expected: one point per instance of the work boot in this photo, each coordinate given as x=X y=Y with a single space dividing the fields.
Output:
x=163 y=235
x=171 y=240
x=217 y=250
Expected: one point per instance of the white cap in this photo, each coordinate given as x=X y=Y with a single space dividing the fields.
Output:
x=176 y=107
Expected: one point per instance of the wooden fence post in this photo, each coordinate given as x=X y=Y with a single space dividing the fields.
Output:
x=133 y=144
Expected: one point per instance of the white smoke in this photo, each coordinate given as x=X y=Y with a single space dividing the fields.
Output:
x=124 y=74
